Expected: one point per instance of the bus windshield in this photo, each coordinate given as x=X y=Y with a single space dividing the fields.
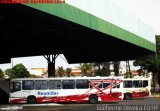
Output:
x=15 y=86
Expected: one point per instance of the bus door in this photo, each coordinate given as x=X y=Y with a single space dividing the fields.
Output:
x=15 y=91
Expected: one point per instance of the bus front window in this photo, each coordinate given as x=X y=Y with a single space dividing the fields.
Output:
x=15 y=86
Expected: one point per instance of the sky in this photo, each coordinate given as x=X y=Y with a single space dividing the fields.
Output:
x=37 y=62
x=146 y=10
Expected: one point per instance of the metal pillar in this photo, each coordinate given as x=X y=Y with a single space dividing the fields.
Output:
x=51 y=59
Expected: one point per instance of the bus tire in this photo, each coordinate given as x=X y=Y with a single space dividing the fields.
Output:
x=127 y=96
x=93 y=99
x=31 y=100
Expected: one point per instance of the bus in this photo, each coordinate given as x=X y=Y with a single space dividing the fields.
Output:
x=72 y=89
x=138 y=87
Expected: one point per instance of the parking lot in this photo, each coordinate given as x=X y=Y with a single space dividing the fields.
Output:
x=145 y=104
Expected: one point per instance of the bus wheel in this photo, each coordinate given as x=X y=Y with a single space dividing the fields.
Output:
x=31 y=100
x=93 y=99
x=127 y=96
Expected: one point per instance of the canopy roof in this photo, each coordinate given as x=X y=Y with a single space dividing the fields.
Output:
x=42 y=29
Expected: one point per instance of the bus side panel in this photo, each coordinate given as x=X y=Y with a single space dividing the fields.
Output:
x=67 y=95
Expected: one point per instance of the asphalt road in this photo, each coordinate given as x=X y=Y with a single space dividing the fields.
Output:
x=147 y=104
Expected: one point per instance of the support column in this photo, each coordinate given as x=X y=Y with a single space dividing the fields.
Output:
x=51 y=59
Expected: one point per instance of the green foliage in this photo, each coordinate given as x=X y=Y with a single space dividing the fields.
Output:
x=86 y=68
x=18 y=71
x=9 y=73
x=68 y=71
x=102 y=69
x=1 y=74
x=60 y=71
x=151 y=65
x=33 y=76
x=127 y=75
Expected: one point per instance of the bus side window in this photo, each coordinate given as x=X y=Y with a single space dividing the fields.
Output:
x=28 y=85
x=116 y=85
x=68 y=84
x=15 y=86
x=96 y=82
x=54 y=84
x=145 y=83
x=127 y=84
x=82 y=84
x=137 y=83
x=40 y=84
x=106 y=84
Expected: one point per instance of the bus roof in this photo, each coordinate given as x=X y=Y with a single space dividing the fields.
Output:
x=140 y=78
x=63 y=78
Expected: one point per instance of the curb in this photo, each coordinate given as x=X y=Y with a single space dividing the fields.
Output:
x=155 y=96
x=47 y=104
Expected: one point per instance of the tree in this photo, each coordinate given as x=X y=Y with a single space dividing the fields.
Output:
x=18 y=71
x=150 y=65
x=102 y=69
x=116 y=67
x=87 y=68
x=9 y=73
x=68 y=71
x=60 y=71
x=1 y=74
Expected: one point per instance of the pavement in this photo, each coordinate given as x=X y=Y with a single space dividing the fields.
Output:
x=155 y=95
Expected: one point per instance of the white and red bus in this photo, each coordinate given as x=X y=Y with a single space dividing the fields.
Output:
x=73 y=89
x=138 y=87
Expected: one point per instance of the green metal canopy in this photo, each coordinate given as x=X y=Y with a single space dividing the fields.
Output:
x=77 y=31
x=81 y=17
